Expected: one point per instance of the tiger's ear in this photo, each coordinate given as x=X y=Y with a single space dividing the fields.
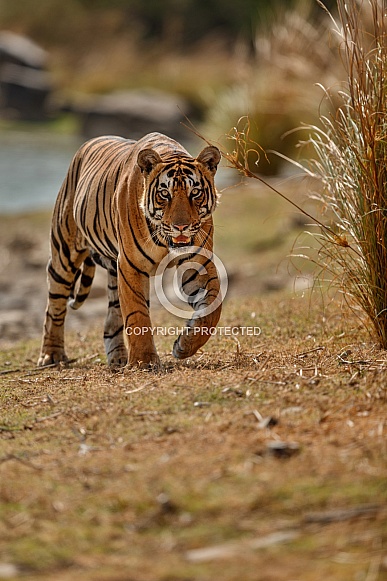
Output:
x=147 y=159
x=210 y=157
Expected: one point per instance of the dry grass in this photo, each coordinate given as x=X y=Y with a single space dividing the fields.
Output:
x=351 y=161
x=350 y=246
x=109 y=476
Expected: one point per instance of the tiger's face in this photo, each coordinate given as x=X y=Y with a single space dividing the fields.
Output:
x=179 y=193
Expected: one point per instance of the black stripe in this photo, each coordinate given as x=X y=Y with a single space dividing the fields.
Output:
x=143 y=272
x=139 y=295
x=89 y=261
x=81 y=298
x=86 y=280
x=107 y=336
x=57 y=296
x=57 y=278
x=114 y=349
x=139 y=247
x=59 y=317
x=146 y=314
x=196 y=273
x=66 y=251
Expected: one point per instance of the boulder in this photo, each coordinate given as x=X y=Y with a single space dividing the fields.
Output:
x=132 y=114
x=25 y=85
x=24 y=93
x=20 y=50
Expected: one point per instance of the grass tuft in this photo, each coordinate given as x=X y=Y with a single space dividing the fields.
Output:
x=351 y=162
x=349 y=159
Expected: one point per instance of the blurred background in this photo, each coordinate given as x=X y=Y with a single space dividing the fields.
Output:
x=76 y=69
x=128 y=67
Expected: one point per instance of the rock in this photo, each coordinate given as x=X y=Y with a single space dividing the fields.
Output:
x=8 y=571
x=24 y=82
x=24 y=92
x=20 y=50
x=282 y=449
x=132 y=114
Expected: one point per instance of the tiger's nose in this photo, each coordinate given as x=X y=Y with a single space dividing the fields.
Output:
x=180 y=227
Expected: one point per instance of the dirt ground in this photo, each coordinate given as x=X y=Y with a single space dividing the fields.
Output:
x=24 y=248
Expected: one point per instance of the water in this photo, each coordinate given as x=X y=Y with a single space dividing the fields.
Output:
x=32 y=168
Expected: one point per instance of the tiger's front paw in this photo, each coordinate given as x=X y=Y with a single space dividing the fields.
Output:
x=196 y=335
x=184 y=347
x=51 y=357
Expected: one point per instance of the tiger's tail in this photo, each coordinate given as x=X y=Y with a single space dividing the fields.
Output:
x=86 y=274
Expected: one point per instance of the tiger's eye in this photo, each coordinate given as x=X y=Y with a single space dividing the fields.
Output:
x=164 y=194
x=196 y=192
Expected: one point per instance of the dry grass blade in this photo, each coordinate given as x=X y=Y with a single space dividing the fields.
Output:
x=238 y=158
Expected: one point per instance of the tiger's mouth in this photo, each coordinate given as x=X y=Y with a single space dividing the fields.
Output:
x=179 y=241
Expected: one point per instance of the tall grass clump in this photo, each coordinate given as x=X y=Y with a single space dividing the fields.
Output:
x=348 y=156
x=350 y=159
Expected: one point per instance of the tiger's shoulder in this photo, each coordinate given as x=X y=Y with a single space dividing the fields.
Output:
x=108 y=149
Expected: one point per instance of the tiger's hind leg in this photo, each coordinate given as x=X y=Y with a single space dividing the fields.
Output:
x=116 y=352
x=63 y=266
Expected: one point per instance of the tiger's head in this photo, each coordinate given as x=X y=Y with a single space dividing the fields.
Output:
x=179 y=193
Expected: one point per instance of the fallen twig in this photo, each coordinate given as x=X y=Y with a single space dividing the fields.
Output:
x=234 y=548
x=140 y=388
x=327 y=517
x=50 y=417
x=8 y=371
x=50 y=365
x=21 y=460
x=310 y=351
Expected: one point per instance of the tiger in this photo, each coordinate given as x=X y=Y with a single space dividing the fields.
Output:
x=125 y=205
